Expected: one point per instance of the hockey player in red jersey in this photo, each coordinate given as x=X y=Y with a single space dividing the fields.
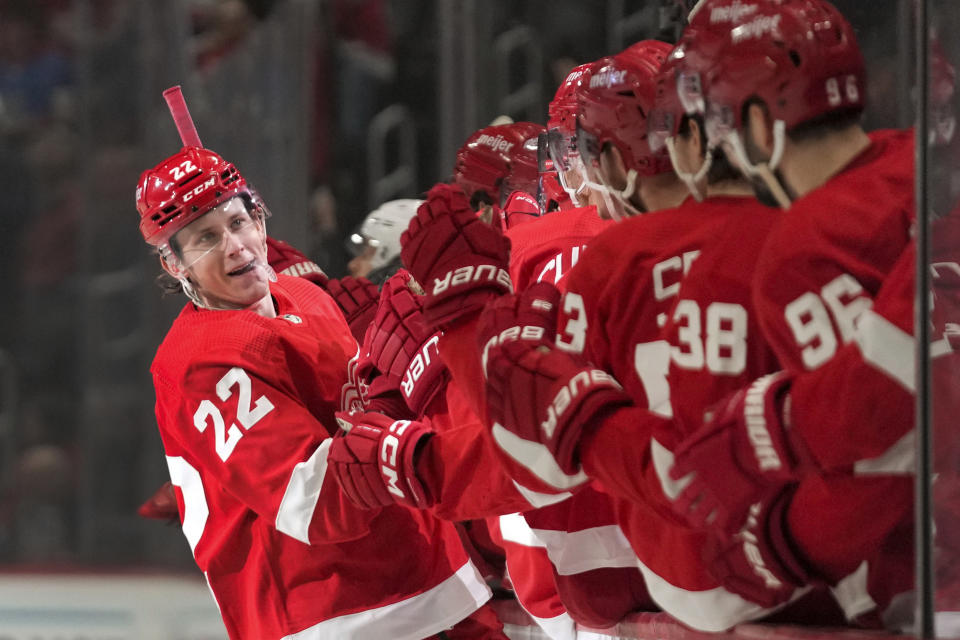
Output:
x=453 y=306
x=709 y=339
x=248 y=380
x=785 y=106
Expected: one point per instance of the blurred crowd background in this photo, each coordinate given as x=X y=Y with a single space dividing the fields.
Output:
x=329 y=107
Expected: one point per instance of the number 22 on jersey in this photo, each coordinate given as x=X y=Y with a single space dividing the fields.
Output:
x=225 y=439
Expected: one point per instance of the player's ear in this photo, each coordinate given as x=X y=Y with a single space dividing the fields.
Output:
x=612 y=166
x=759 y=129
x=697 y=138
x=173 y=269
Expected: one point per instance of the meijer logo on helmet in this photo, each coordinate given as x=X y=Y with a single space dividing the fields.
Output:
x=757 y=28
x=497 y=143
x=734 y=13
x=607 y=78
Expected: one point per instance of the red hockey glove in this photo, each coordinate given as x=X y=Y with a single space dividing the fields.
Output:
x=162 y=505
x=461 y=261
x=759 y=562
x=402 y=348
x=374 y=460
x=529 y=317
x=539 y=400
x=287 y=260
x=357 y=297
x=738 y=457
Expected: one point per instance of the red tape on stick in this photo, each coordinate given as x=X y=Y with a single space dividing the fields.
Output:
x=181 y=117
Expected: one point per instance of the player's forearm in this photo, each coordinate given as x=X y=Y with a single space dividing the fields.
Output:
x=616 y=451
x=462 y=470
x=459 y=351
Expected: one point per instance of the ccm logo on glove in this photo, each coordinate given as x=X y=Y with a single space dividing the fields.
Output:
x=388 y=456
x=582 y=381
x=464 y=275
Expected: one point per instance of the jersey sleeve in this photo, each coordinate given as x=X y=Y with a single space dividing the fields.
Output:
x=236 y=421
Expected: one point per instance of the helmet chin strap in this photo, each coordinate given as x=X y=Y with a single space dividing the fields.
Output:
x=764 y=171
x=622 y=197
x=692 y=180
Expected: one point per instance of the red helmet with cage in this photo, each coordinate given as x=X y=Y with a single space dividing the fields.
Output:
x=800 y=57
x=181 y=189
x=497 y=160
x=613 y=106
x=562 y=110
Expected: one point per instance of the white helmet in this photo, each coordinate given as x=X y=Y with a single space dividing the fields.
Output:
x=381 y=229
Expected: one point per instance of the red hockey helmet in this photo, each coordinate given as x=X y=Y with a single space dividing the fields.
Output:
x=800 y=57
x=497 y=160
x=562 y=110
x=614 y=105
x=181 y=189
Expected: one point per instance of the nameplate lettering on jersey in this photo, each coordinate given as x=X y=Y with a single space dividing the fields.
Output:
x=668 y=273
x=581 y=382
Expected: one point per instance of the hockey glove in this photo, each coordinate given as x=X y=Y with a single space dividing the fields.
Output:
x=529 y=317
x=357 y=297
x=759 y=562
x=289 y=261
x=374 y=460
x=402 y=349
x=738 y=458
x=461 y=261
x=162 y=505
x=540 y=400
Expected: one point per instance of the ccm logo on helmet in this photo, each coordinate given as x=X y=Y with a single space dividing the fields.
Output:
x=580 y=382
x=497 y=143
x=418 y=365
x=388 y=456
x=197 y=190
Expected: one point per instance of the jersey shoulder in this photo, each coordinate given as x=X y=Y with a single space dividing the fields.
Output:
x=242 y=338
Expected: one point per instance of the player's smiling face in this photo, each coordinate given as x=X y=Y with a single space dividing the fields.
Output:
x=224 y=252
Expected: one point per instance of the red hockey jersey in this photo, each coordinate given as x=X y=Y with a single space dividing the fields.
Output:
x=545 y=249
x=716 y=345
x=245 y=406
x=649 y=319
x=824 y=263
